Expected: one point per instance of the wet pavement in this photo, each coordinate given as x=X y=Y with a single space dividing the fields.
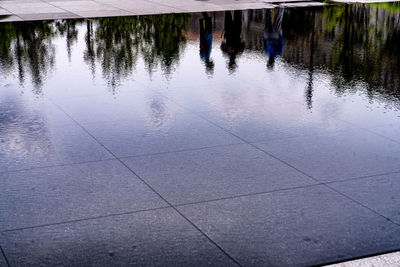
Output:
x=255 y=138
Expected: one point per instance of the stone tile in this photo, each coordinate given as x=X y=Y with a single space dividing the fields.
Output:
x=193 y=176
x=132 y=106
x=389 y=259
x=202 y=8
x=2 y=260
x=159 y=133
x=275 y=121
x=103 y=13
x=391 y=131
x=244 y=6
x=4 y=12
x=379 y=193
x=303 y=4
x=148 y=8
x=156 y=238
x=301 y=227
x=59 y=194
x=340 y=156
x=50 y=16
x=22 y=110
x=31 y=8
x=29 y=147
x=82 y=6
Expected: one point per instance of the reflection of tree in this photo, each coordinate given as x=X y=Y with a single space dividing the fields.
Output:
x=117 y=43
x=162 y=39
x=68 y=28
x=357 y=43
x=27 y=47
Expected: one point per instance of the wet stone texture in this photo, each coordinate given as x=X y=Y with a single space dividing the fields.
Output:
x=256 y=138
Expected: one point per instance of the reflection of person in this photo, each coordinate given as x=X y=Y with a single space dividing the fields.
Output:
x=232 y=44
x=206 y=38
x=273 y=39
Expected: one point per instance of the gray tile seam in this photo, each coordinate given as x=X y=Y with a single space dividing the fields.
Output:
x=83 y=219
x=12 y=13
x=156 y=192
x=304 y=173
x=166 y=5
x=127 y=157
x=359 y=258
x=60 y=8
x=249 y=195
x=363 y=177
x=56 y=165
x=158 y=208
x=338 y=192
x=121 y=9
x=370 y=131
x=4 y=256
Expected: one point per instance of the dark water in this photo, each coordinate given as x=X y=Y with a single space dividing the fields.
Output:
x=308 y=67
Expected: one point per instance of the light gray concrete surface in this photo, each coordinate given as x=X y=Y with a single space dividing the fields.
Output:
x=17 y=10
x=389 y=259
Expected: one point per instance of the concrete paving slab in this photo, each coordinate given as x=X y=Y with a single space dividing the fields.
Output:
x=47 y=146
x=49 y=16
x=340 y=156
x=391 y=131
x=156 y=238
x=299 y=227
x=302 y=4
x=276 y=121
x=379 y=193
x=389 y=259
x=4 y=12
x=200 y=175
x=31 y=8
x=58 y=194
x=3 y=261
x=103 y=13
x=83 y=6
x=141 y=137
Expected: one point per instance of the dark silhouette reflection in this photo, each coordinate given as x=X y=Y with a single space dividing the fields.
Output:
x=273 y=38
x=68 y=28
x=206 y=38
x=232 y=44
x=27 y=48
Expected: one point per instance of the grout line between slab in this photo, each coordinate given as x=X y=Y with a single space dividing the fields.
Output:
x=363 y=177
x=82 y=220
x=5 y=257
x=155 y=191
x=61 y=9
x=295 y=168
x=248 y=195
x=359 y=258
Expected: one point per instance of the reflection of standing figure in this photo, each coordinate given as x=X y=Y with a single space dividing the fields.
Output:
x=206 y=38
x=273 y=38
x=232 y=44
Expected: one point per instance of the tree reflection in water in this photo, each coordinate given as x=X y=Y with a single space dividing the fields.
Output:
x=353 y=43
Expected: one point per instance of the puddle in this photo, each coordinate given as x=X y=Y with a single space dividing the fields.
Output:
x=338 y=63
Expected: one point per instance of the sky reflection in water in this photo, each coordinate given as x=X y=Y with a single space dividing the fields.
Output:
x=328 y=64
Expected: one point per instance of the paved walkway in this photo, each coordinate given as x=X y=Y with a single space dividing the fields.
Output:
x=17 y=10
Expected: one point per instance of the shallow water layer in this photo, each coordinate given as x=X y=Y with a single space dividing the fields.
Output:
x=259 y=74
x=259 y=137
